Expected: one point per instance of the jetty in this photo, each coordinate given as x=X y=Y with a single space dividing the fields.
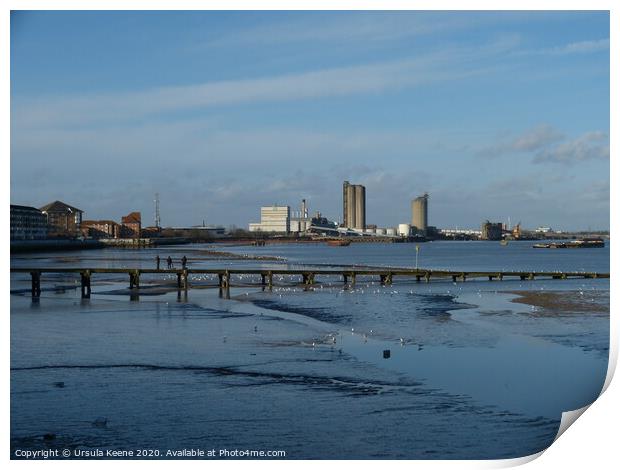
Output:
x=306 y=277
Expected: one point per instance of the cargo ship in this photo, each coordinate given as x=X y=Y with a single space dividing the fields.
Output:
x=584 y=243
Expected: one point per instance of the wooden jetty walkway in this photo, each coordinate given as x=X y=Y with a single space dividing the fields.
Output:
x=306 y=276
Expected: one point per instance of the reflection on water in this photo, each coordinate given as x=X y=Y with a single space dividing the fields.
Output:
x=470 y=374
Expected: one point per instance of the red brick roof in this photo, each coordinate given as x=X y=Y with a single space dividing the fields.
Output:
x=133 y=218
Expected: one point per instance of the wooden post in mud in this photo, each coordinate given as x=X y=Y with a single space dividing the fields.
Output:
x=308 y=278
x=134 y=279
x=226 y=286
x=85 y=281
x=262 y=279
x=36 y=284
x=427 y=277
x=270 y=280
x=185 y=279
x=454 y=278
x=462 y=277
x=352 y=279
x=179 y=281
x=418 y=278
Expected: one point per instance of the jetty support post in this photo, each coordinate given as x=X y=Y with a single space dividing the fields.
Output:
x=185 y=277
x=352 y=279
x=36 y=284
x=270 y=280
x=134 y=279
x=179 y=281
x=227 y=284
x=386 y=279
x=427 y=277
x=85 y=282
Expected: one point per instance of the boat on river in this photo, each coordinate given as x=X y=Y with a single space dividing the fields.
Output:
x=584 y=243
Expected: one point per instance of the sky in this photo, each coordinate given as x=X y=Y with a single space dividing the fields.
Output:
x=496 y=115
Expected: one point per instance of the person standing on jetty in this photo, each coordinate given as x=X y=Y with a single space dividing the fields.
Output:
x=184 y=261
x=157 y=260
x=169 y=260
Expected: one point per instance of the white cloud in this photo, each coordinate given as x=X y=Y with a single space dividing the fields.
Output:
x=590 y=146
x=360 y=27
x=530 y=140
x=446 y=65
x=579 y=47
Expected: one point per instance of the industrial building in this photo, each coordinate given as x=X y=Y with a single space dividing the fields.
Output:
x=353 y=206
x=63 y=220
x=273 y=219
x=419 y=213
x=27 y=223
x=300 y=221
x=492 y=230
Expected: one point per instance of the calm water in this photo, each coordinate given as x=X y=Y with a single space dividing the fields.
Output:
x=470 y=373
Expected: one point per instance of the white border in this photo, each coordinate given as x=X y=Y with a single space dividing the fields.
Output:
x=591 y=443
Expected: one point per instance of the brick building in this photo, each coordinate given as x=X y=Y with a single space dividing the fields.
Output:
x=131 y=225
x=100 y=229
x=63 y=220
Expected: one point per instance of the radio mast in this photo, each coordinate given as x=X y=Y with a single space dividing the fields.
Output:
x=157 y=219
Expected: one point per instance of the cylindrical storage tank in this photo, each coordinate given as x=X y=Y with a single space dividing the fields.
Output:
x=404 y=230
x=390 y=231
x=380 y=231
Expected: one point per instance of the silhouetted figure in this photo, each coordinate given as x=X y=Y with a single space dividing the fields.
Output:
x=169 y=260
x=184 y=262
x=157 y=260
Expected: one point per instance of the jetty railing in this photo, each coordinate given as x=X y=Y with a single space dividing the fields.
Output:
x=307 y=277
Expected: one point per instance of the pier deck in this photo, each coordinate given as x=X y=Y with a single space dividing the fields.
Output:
x=307 y=276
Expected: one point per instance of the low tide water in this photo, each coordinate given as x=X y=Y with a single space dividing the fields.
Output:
x=470 y=373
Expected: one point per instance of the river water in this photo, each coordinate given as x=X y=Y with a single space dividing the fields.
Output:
x=470 y=374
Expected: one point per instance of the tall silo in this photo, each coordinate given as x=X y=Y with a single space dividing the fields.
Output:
x=419 y=212
x=360 y=207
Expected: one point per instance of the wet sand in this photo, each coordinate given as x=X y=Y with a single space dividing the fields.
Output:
x=553 y=303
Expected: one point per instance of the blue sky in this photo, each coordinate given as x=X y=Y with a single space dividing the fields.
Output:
x=495 y=114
